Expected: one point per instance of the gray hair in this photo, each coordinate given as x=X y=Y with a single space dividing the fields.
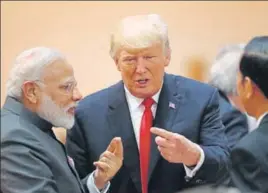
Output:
x=139 y=31
x=224 y=70
x=29 y=66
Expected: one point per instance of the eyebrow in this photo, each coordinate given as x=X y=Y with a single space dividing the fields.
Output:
x=69 y=80
x=128 y=56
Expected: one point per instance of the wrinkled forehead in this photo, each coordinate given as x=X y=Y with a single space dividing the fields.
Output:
x=58 y=72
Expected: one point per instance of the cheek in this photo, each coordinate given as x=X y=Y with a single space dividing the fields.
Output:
x=240 y=91
x=61 y=100
x=242 y=95
x=127 y=73
x=157 y=71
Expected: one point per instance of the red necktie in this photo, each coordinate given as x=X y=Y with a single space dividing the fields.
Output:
x=145 y=141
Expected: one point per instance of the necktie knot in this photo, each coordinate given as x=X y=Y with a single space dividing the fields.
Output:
x=148 y=102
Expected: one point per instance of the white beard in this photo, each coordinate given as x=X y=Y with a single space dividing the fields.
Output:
x=57 y=116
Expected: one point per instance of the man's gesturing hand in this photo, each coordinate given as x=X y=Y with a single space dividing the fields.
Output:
x=176 y=148
x=109 y=163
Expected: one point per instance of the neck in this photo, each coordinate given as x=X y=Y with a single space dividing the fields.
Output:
x=262 y=108
x=30 y=106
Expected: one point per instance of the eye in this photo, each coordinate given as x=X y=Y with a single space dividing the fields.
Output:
x=148 y=57
x=65 y=87
x=129 y=59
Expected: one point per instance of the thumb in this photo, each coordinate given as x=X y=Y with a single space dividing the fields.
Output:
x=112 y=146
x=119 y=148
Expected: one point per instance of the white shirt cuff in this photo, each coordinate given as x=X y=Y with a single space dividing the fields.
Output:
x=92 y=188
x=191 y=172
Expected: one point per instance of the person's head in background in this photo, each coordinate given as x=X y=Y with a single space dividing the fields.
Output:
x=223 y=73
x=252 y=81
x=141 y=51
x=43 y=81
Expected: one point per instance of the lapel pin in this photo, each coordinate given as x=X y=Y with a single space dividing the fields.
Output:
x=171 y=105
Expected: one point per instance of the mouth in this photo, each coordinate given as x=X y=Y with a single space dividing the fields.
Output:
x=142 y=82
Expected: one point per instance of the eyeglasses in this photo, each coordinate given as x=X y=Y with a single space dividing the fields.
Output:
x=66 y=88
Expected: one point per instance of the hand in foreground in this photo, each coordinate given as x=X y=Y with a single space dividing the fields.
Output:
x=176 y=148
x=109 y=163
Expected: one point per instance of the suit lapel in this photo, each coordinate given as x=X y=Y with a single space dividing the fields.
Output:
x=121 y=125
x=263 y=127
x=69 y=160
x=167 y=108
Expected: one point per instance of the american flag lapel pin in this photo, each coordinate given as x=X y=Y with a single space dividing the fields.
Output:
x=172 y=105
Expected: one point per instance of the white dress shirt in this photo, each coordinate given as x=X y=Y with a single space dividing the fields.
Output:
x=136 y=111
x=92 y=188
x=261 y=118
x=252 y=123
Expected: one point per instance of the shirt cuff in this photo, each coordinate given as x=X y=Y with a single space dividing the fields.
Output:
x=92 y=188
x=191 y=172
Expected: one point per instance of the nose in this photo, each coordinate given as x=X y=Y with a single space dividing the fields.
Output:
x=141 y=67
x=77 y=96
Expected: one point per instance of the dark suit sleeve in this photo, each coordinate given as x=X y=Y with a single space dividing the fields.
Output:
x=213 y=141
x=23 y=170
x=76 y=148
x=247 y=172
x=236 y=126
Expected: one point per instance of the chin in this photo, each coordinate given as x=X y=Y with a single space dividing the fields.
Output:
x=66 y=122
x=143 y=94
x=149 y=92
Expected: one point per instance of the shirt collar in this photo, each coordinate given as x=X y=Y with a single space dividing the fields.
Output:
x=135 y=102
x=261 y=118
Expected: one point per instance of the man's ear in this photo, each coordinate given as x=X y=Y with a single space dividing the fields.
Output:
x=168 y=56
x=30 y=91
x=250 y=87
x=116 y=61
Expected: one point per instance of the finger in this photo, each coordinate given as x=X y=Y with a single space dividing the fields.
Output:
x=119 y=148
x=102 y=166
x=112 y=146
x=166 y=156
x=164 y=142
x=101 y=155
x=104 y=160
x=107 y=154
x=162 y=133
x=110 y=162
x=164 y=151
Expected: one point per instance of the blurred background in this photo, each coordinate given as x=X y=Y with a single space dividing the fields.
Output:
x=81 y=30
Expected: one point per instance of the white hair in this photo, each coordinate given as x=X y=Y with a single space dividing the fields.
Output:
x=139 y=31
x=28 y=66
x=56 y=115
x=224 y=70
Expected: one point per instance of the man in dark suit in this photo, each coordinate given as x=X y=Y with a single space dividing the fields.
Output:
x=42 y=93
x=250 y=156
x=223 y=74
x=170 y=126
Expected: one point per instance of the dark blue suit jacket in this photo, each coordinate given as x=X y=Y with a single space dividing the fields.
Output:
x=250 y=161
x=105 y=114
x=235 y=122
x=236 y=127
